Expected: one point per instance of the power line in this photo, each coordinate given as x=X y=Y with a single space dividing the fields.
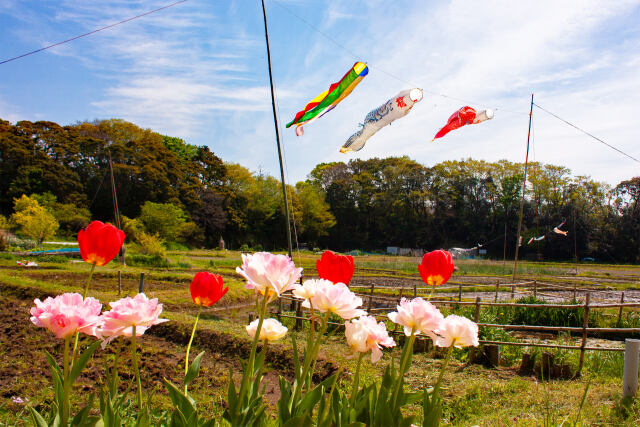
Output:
x=587 y=133
x=356 y=56
x=92 y=32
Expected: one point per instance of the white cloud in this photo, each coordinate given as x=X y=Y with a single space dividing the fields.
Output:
x=497 y=54
x=198 y=71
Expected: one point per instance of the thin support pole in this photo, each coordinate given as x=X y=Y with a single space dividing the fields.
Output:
x=585 y=324
x=279 y=312
x=116 y=211
x=415 y=290
x=460 y=292
x=395 y=328
x=119 y=282
x=476 y=314
x=620 y=312
x=298 y=325
x=504 y=251
x=535 y=289
x=575 y=242
x=141 y=284
x=370 y=298
x=495 y=299
x=524 y=187
x=275 y=122
x=476 y=318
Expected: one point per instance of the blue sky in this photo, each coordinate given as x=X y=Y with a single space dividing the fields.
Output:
x=198 y=71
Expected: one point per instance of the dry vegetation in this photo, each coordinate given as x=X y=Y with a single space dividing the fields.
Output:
x=475 y=394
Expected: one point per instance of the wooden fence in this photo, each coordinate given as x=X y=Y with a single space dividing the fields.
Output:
x=380 y=312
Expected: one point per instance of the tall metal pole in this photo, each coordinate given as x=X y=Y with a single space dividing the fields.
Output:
x=116 y=211
x=524 y=187
x=275 y=122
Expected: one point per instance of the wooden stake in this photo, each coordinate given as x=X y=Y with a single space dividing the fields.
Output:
x=370 y=297
x=620 y=312
x=584 y=331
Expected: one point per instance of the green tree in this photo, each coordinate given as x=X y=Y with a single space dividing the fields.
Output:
x=317 y=218
x=34 y=220
x=70 y=217
x=163 y=219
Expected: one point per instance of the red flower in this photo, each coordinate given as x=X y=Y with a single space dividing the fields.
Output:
x=207 y=289
x=335 y=268
x=100 y=243
x=436 y=267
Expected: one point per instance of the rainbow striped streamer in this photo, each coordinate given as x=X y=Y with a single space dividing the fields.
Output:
x=327 y=100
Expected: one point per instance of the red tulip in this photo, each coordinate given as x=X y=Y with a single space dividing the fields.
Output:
x=436 y=267
x=100 y=243
x=335 y=268
x=207 y=289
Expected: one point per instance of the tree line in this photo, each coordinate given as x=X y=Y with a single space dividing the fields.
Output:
x=181 y=192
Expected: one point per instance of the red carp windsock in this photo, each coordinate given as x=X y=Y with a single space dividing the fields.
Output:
x=395 y=108
x=464 y=116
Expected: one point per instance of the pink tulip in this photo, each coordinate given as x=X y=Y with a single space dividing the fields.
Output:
x=269 y=273
x=308 y=289
x=364 y=334
x=457 y=330
x=128 y=312
x=271 y=329
x=67 y=314
x=336 y=299
x=417 y=315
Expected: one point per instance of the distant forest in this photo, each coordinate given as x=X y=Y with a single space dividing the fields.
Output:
x=362 y=204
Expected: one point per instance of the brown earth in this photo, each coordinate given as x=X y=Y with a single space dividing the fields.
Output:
x=24 y=371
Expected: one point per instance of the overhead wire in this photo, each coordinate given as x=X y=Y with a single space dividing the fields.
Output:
x=92 y=32
x=355 y=55
x=383 y=71
x=586 y=133
x=98 y=189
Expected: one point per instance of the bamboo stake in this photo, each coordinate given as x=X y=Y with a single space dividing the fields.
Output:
x=620 y=312
x=584 y=331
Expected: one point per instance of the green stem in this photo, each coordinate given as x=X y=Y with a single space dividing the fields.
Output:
x=436 y=388
x=84 y=295
x=322 y=417
x=433 y=288
x=309 y=358
x=356 y=381
x=186 y=359
x=315 y=359
x=309 y=349
x=86 y=287
x=134 y=360
x=254 y=345
x=66 y=386
x=408 y=349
